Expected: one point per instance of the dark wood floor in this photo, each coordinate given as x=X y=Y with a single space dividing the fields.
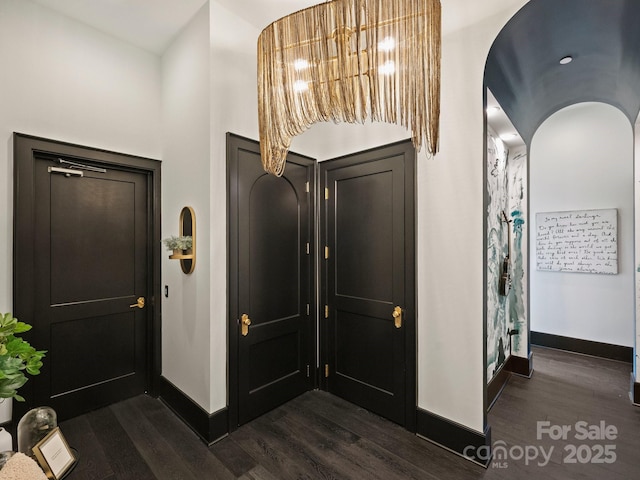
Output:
x=318 y=436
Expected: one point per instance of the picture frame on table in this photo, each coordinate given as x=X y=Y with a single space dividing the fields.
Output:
x=54 y=455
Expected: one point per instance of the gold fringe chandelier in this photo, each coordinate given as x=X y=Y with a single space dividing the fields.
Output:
x=349 y=61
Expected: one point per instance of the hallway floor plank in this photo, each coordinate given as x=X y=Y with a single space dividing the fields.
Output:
x=319 y=436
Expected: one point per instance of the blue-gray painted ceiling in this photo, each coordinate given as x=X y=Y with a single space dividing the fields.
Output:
x=603 y=37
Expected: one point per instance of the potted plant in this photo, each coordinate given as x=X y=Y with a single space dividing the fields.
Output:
x=17 y=357
x=180 y=245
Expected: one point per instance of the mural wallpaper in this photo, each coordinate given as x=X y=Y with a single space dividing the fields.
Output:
x=517 y=196
x=506 y=192
x=497 y=305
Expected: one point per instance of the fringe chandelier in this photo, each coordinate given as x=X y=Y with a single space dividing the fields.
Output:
x=349 y=61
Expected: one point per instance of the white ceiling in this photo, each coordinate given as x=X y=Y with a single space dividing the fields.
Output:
x=455 y=13
x=149 y=24
x=498 y=120
x=152 y=24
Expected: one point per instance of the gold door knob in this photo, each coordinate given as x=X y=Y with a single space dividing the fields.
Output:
x=139 y=303
x=397 y=316
x=244 y=323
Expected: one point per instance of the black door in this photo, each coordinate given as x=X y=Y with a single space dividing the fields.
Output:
x=271 y=246
x=92 y=288
x=368 y=279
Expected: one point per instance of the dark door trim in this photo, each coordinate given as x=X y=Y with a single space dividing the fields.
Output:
x=234 y=144
x=25 y=148
x=399 y=148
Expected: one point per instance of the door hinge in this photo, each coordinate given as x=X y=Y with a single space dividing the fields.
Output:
x=308 y=248
x=326 y=253
x=308 y=371
x=326 y=370
x=306 y=187
x=326 y=311
x=326 y=194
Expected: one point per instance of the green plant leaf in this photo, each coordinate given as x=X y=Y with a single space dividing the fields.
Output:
x=17 y=357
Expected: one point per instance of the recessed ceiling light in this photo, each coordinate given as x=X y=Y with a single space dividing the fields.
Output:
x=565 y=60
x=508 y=136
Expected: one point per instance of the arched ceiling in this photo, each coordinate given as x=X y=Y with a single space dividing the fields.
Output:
x=603 y=37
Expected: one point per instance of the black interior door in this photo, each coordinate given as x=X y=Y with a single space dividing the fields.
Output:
x=271 y=281
x=91 y=300
x=368 y=220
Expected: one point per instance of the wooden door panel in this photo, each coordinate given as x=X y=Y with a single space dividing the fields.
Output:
x=91 y=265
x=372 y=308
x=92 y=225
x=274 y=355
x=271 y=268
x=85 y=248
x=273 y=250
x=275 y=358
x=364 y=357
x=272 y=358
x=368 y=228
x=64 y=312
x=368 y=352
x=81 y=339
x=363 y=207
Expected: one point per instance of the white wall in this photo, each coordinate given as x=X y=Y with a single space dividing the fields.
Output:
x=209 y=89
x=234 y=108
x=325 y=141
x=186 y=154
x=581 y=158
x=451 y=339
x=63 y=80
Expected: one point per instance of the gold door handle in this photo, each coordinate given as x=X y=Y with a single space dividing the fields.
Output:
x=397 y=316
x=244 y=323
x=139 y=303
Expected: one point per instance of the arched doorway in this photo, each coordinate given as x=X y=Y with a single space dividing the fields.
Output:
x=548 y=56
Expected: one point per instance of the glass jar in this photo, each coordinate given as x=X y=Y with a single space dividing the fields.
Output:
x=34 y=426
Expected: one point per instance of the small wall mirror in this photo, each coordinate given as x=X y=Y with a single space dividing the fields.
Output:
x=188 y=227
